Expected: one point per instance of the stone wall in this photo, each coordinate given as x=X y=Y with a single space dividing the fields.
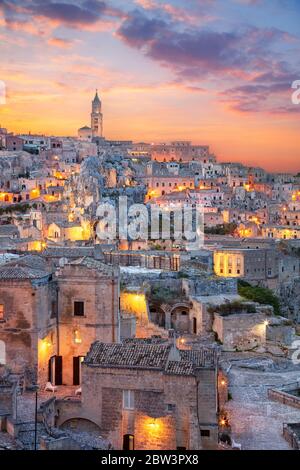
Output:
x=127 y=326
x=100 y=295
x=282 y=396
x=210 y=286
x=291 y=433
x=242 y=331
x=27 y=308
x=167 y=412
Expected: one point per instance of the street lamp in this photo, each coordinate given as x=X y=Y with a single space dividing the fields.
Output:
x=36 y=389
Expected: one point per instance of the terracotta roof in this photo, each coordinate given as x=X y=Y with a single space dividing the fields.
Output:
x=8 y=272
x=203 y=357
x=66 y=252
x=92 y=263
x=29 y=261
x=180 y=368
x=139 y=354
x=145 y=356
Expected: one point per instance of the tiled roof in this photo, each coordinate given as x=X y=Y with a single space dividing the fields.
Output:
x=29 y=261
x=145 y=356
x=92 y=263
x=180 y=368
x=204 y=357
x=8 y=272
x=150 y=355
x=6 y=230
x=66 y=224
x=67 y=252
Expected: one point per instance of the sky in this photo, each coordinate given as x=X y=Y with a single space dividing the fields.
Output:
x=215 y=72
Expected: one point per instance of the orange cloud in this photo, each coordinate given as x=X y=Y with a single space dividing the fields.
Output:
x=59 y=42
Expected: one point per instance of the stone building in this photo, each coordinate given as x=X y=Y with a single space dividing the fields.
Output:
x=181 y=151
x=49 y=320
x=62 y=231
x=25 y=314
x=268 y=266
x=150 y=395
x=281 y=232
x=88 y=310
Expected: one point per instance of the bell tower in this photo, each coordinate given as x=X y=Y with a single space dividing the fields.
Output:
x=97 y=117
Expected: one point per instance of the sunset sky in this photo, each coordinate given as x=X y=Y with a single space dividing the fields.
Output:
x=211 y=71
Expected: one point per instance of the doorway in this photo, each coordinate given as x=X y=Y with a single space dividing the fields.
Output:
x=128 y=442
x=55 y=370
x=194 y=325
x=77 y=361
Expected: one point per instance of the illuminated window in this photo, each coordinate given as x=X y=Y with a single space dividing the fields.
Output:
x=128 y=399
x=78 y=309
x=1 y=312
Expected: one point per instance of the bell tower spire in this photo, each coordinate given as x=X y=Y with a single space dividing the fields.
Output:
x=97 y=117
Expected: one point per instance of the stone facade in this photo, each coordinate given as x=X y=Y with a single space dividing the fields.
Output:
x=26 y=319
x=99 y=293
x=240 y=331
x=48 y=321
x=174 y=404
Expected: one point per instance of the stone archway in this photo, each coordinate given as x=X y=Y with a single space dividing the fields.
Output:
x=81 y=425
x=171 y=312
x=158 y=315
x=180 y=319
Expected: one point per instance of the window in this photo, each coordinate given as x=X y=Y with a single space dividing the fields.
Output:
x=78 y=309
x=128 y=399
x=205 y=433
x=171 y=407
x=54 y=311
x=1 y=312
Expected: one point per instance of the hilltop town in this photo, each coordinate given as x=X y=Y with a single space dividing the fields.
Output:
x=144 y=343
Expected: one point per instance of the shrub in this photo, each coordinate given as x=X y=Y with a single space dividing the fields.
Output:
x=261 y=295
x=224 y=229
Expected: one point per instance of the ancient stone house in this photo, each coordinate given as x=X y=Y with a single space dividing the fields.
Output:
x=147 y=395
x=49 y=320
x=25 y=314
x=88 y=310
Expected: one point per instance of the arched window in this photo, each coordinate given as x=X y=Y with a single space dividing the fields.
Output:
x=2 y=353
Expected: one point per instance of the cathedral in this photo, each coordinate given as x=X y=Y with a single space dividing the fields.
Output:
x=96 y=129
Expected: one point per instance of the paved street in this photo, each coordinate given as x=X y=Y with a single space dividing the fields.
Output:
x=257 y=421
